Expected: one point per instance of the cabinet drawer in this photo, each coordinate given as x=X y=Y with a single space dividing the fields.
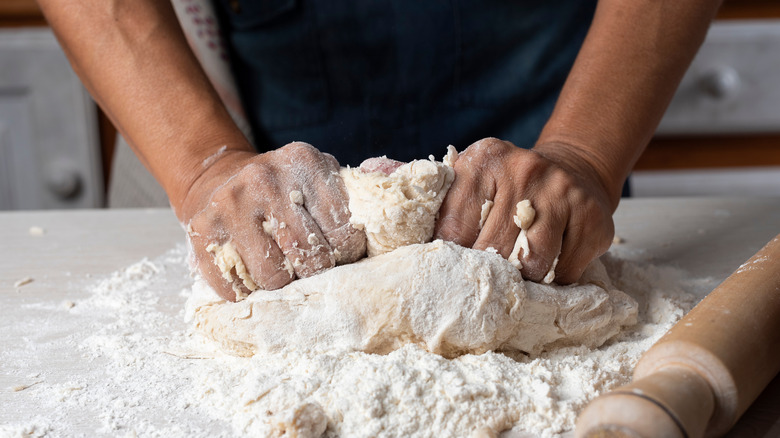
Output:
x=733 y=84
x=49 y=147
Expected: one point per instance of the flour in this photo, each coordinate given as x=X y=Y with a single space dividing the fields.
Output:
x=144 y=373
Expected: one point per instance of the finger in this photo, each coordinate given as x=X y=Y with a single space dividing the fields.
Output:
x=325 y=199
x=212 y=274
x=584 y=240
x=300 y=240
x=204 y=229
x=328 y=205
x=262 y=257
x=229 y=220
x=499 y=230
x=460 y=213
x=545 y=236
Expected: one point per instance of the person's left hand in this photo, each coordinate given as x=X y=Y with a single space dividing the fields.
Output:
x=573 y=206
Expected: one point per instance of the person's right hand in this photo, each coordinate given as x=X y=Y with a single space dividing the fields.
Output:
x=251 y=200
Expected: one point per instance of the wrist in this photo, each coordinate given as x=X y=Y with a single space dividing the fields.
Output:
x=581 y=161
x=200 y=172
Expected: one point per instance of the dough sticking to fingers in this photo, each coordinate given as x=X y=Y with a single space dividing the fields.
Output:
x=324 y=199
x=296 y=197
x=483 y=215
x=451 y=157
x=524 y=217
x=229 y=261
x=550 y=277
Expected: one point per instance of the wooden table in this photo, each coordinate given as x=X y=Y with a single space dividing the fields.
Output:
x=705 y=236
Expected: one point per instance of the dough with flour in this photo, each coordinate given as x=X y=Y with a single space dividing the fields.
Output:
x=448 y=299
x=398 y=209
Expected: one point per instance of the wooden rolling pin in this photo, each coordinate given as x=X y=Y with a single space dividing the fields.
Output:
x=702 y=375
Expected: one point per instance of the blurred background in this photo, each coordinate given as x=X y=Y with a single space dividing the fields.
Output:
x=720 y=136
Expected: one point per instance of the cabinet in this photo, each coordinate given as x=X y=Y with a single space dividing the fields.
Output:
x=49 y=145
x=726 y=113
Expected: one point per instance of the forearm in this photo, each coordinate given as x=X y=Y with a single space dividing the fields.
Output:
x=134 y=60
x=626 y=73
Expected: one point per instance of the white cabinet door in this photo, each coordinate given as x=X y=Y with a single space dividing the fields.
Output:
x=49 y=147
x=733 y=84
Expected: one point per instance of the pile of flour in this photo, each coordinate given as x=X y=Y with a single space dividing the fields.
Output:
x=145 y=373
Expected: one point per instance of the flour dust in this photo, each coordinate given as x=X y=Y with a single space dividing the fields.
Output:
x=143 y=372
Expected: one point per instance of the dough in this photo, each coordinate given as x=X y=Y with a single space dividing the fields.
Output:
x=230 y=263
x=398 y=209
x=484 y=212
x=523 y=218
x=443 y=297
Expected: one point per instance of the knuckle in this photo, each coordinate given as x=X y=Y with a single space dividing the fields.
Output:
x=256 y=174
x=331 y=161
x=299 y=149
x=488 y=147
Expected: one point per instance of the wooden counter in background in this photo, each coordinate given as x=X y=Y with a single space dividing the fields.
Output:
x=17 y=13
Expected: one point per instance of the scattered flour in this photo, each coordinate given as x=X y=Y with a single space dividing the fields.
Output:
x=142 y=372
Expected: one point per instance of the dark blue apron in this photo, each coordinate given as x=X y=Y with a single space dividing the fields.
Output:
x=402 y=78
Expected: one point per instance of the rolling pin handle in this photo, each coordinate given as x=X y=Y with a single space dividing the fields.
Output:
x=673 y=402
x=705 y=372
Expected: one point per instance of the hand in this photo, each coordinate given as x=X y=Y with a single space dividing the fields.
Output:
x=253 y=201
x=573 y=209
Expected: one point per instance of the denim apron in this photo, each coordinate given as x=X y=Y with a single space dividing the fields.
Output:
x=402 y=78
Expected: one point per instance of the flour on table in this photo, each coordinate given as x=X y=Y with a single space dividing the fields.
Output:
x=36 y=231
x=145 y=373
x=23 y=282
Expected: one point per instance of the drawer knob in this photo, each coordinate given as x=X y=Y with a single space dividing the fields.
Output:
x=720 y=83
x=64 y=182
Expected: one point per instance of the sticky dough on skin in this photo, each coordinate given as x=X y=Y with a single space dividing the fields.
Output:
x=483 y=214
x=524 y=217
x=228 y=260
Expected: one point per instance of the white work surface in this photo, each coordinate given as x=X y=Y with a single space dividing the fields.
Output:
x=707 y=237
